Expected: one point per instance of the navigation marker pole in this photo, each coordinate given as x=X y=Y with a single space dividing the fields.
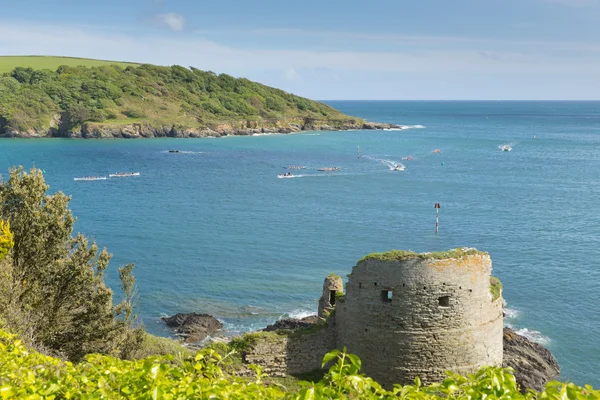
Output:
x=437 y=209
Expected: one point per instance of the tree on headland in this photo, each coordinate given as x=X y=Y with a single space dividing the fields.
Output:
x=52 y=284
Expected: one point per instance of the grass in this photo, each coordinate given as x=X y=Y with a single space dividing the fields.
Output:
x=8 y=63
x=495 y=288
x=156 y=345
x=400 y=255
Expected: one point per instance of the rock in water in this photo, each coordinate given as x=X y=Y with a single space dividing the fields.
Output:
x=193 y=327
x=534 y=365
x=293 y=323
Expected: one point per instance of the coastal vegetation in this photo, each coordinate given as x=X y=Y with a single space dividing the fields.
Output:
x=495 y=287
x=52 y=290
x=401 y=255
x=28 y=374
x=71 y=99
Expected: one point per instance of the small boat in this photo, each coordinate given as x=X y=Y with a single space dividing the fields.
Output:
x=328 y=169
x=505 y=147
x=296 y=167
x=397 y=168
x=436 y=151
x=173 y=151
x=287 y=175
x=90 y=178
x=123 y=174
x=409 y=158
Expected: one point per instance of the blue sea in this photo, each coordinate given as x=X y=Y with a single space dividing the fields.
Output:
x=212 y=229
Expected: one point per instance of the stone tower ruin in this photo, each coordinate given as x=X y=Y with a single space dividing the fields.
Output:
x=407 y=315
x=332 y=288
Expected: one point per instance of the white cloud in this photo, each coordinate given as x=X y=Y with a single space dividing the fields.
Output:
x=291 y=74
x=314 y=72
x=21 y=39
x=172 y=20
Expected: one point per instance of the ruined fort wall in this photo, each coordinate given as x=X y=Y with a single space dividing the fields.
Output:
x=421 y=317
x=297 y=353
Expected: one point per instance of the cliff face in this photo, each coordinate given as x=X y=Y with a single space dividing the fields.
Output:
x=534 y=365
x=149 y=130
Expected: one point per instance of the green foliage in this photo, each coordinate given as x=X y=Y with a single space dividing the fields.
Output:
x=400 y=255
x=28 y=374
x=247 y=341
x=6 y=239
x=159 y=346
x=57 y=297
x=31 y=98
x=495 y=288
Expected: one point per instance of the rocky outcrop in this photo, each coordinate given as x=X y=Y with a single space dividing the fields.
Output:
x=148 y=130
x=293 y=323
x=534 y=365
x=193 y=327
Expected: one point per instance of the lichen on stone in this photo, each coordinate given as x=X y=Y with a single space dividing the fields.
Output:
x=401 y=255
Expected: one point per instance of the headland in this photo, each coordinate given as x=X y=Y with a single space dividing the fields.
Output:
x=103 y=99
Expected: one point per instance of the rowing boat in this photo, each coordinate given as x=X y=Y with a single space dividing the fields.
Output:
x=91 y=178
x=124 y=174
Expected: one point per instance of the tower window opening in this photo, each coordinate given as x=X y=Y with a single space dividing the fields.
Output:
x=386 y=296
x=332 y=297
x=444 y=301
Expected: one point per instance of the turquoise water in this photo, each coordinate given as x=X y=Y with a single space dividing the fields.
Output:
x=213 y=230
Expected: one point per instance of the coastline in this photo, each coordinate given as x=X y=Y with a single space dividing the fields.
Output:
x=146 y=130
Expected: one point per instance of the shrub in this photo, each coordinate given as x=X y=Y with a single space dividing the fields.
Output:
x=27 y=374
x=134 y=113
x=58 y=298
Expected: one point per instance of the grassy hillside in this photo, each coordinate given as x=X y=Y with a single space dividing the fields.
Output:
x=8 y=63
x=107 y=98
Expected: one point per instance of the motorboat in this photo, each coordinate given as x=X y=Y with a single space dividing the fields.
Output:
x=90 y=178
x=286 y=175
x=397 y=168
x=505 y=147
x=123 y=174
x=173 y=151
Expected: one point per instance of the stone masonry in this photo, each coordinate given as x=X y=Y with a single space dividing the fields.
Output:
x=421 y=317
x=404 y=315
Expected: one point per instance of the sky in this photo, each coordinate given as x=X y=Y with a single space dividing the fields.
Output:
x=330 y=49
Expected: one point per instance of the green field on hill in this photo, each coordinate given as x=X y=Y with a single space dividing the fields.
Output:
x=8 y=63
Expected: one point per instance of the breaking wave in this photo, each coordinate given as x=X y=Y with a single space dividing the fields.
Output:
x=534 y=336
x=413 y=126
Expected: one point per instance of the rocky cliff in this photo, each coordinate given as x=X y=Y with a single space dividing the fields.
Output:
x=148 y=130
x=534 y=365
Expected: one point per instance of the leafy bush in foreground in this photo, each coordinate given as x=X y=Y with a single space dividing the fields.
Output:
x=52 y=289
x=28 y=374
